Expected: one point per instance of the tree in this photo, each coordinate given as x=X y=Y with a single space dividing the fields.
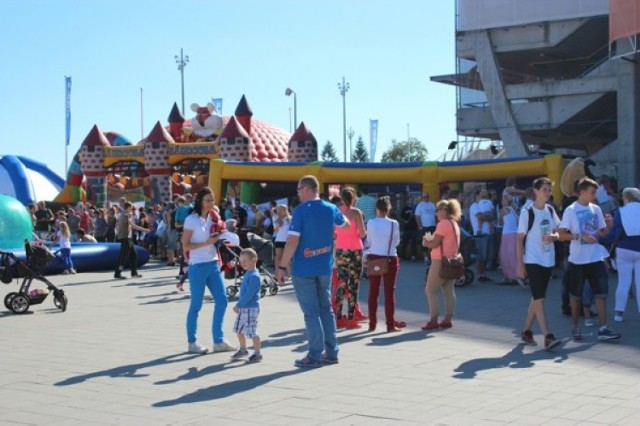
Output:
x=360 y=154
x=329 y=153
x=405 y=151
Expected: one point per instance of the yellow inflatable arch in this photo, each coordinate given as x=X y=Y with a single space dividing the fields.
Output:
x=429 y=174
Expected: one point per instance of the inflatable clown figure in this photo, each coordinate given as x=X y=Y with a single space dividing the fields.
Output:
x=207 y=124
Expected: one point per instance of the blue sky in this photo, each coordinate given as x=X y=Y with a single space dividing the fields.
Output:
x=386 y=50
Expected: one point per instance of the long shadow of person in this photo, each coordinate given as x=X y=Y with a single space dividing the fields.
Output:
x=194 y=373
x=393 y=338
x=130 y=370
x=224 y=390
x=515 y=358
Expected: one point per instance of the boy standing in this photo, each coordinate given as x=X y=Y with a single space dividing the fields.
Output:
x=536 y=257
x=582 y=224
x=248 y=308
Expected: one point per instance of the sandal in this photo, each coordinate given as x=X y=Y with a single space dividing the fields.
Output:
x=431 y=325
x=400 y=324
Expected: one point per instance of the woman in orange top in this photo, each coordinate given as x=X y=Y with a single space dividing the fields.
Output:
x=444 y=242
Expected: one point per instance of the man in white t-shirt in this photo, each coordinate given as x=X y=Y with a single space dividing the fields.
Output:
x=425 y=215
x=583 y=224
x=536 y=257
x=482 y=217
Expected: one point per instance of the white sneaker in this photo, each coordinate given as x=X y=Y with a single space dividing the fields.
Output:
x=73 y=271
x=618 y=318
x=589 y=323
x=65 y=272
x=197 y=348
x=223 y=346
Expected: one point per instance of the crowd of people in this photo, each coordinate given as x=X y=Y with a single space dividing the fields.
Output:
x=325 y=247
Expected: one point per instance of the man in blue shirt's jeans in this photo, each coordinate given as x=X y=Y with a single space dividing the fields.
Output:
x=309 y=251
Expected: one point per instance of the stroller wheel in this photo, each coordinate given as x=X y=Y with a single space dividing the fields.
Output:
x=60 y=300
x=8 y=298
x=232 y=291
x=466 y=279
x=273 y=290
x=469 y=276
x=263 y=291
x=20 y=304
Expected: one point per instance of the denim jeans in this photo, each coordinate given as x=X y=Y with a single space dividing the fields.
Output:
x=201 y=275
x=66 y=256
x=314 y=297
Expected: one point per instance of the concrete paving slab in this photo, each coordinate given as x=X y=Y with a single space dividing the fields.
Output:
x=118 y=356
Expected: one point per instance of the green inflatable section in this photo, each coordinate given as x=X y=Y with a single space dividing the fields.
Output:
x=15 y=223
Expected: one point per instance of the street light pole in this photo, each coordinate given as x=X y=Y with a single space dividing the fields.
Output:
x=289 y=92
x=182 y=62
x=344 y=88
x=350 y=134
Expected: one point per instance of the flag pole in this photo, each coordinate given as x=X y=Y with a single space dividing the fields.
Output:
x=67 y=81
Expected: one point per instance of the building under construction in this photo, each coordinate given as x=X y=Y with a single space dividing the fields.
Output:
x=551 y=76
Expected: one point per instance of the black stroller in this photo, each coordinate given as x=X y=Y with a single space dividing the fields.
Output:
x=468 y=251
x=232 y=269
x=37 y=258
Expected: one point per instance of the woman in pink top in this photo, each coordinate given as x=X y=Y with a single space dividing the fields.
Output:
x=348 y=258
x=444 y=242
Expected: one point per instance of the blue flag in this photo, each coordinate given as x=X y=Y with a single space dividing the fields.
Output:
x=67 y=81
x=217 y=102
x=373 y=138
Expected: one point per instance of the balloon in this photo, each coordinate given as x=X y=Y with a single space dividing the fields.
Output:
x=15 y=223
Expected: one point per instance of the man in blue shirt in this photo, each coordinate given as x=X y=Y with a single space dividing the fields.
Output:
x=309 y=251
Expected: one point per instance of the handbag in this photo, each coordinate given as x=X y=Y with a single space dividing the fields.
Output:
x=451 y=267
x=380 y=265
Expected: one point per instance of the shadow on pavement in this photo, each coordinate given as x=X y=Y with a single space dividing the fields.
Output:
x=515 y=358
x=225 y=390
x=130 y=370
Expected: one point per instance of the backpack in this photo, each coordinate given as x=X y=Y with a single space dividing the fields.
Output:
x=531 y=218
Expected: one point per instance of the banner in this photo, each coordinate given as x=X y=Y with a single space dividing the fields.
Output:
x=67 y=81
x=624 y=19
x=217 y=102
x=373 y=139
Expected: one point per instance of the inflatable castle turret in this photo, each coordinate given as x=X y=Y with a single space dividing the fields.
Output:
x=92 y=166
x=235 y=143
x=303 y=145
x=176 y=122
x=156 y=160
x=244 y=114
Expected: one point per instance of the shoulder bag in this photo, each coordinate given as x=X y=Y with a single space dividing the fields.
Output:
x=451 y=267
x=380 y=265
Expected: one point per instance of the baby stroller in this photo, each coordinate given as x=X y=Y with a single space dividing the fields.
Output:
x=37 y=258
x=232 y=269
x=468 y=252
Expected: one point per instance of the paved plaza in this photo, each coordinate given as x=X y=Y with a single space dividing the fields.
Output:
x=117 y=356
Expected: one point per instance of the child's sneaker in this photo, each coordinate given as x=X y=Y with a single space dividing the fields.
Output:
x=527 y=338
x=240 y=353
x=551 y=342
x=65 y=272
x=255 y=358
x=73 y=271
x=589 y=323
x=605 y=333
x=576 y=334
x=197 y=348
